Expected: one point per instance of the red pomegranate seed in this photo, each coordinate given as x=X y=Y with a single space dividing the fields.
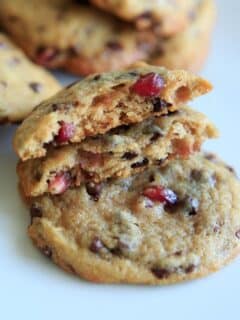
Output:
x=149 y=85
x=65 y=132
x=160 y=194
x=59 y=183
x=45 y=56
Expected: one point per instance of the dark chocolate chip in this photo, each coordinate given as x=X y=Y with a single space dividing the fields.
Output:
x=13 y=18
x=94 y=190
x=3 y=83
x=160 y=162
x=113 y=45
x=174 y=207
x=47 y=251
x=36 y=86
x=140 y=164
x=129 y=155
x=190 y=268
x=151 y=177
x=161 y=273
x=196 y=174
x=159 y=104
x=237 y=234
x=38 y=176
x=97 y=77
x=178 y=253
x=210 y=156
x=61 y=106
x=156 y=136
x=96 y=245
x=133 y=74
x=35 y=212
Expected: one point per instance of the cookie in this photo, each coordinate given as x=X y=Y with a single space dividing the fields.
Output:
x=102 y=102
x=121 y=152
x=161 y=226
x=23 y=85
x=189 y=49
x=163 y=17
x=64 y=34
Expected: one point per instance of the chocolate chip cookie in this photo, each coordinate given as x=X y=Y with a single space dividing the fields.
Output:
x=163 y=17
x=188 y=49
x=121 y=152
x=102 y=102
x=76 y=37
x=23 y=85
x=162 y=226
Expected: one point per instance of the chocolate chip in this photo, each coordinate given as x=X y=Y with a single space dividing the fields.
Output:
x=156 y=136
x=194 y=204
x=94 y=190
x=47 y=251
x=13 y=18
x=140 y=164
x=133 y=74
x=210 y=156
x=237 y=234
x=61 y=106
x=3 y=83
x=113 y=45
x=96 y=245
x=174 y=207
x=38 y=176
x=129 y=155
x=97 y=77
x=151 y=178
x=159 y=104
x=190 y=268
x=160 y=162
x=161 y=273
x=196 y=174
x=178 y=253
x=35 y=212
x=36 y=87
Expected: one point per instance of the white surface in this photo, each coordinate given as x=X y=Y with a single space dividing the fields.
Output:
x=31 y=287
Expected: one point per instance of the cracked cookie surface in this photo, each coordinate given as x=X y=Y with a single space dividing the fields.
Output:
x=121 y=152
x=161 y=226
x=105 y=101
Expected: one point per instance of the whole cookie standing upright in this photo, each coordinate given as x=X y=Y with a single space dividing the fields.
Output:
x=23 y=85
x=161 y=226
x=163 y=17
x=64 y=34
x=102 y=102
x=188 y=49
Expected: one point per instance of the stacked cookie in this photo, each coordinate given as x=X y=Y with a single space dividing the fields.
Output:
x=110 y=35
x=117 y=189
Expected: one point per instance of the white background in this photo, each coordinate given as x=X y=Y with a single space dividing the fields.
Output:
x=31 y=287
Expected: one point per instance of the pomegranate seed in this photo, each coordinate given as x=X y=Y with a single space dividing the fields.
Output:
x=149 y=85
x=59 y=183
x=45 y=56
x=65 y=132
x=160 y=194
